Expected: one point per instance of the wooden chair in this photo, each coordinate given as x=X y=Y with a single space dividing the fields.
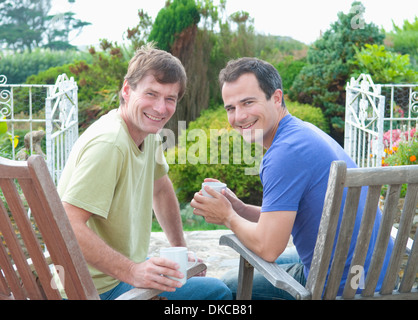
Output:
x=25 y=272
x=340 y=177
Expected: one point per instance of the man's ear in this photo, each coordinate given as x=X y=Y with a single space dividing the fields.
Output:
x=278 y=97
x=126 y=91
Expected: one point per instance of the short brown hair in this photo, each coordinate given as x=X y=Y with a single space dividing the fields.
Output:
x=162 y=65
x=267 y=75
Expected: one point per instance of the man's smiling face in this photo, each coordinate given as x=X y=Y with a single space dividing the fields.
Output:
x=148 y=106
x=249 y=110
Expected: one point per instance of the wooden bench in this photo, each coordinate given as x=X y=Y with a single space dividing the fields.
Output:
x=354 y=179
x=25 y=272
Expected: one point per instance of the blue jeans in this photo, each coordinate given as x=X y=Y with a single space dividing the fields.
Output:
x=262 y=289
x=196 y=288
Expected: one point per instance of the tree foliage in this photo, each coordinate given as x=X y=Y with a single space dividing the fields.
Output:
x=405 y=40
x=139 y=34
x=98 y=82
x=322 y=81
x=18 y=67
x=26 y=24
x=172 y=20
x=384 y=66
x=289 y=68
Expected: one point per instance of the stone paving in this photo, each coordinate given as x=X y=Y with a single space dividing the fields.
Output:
x=219 y=259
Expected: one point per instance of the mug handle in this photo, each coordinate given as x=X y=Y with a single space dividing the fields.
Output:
x=195 y=258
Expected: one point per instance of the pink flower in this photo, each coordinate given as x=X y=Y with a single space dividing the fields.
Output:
x=396 y=137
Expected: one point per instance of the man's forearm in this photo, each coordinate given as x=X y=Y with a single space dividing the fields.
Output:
x=170 y=221
x=167 y=212
x=251 y=213
x=247 y=211
x=102 y=257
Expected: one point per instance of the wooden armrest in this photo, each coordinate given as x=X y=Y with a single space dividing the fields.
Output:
x=146 y=294
x=271 y=271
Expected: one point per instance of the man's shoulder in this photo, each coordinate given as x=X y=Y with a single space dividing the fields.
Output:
x=107 y=129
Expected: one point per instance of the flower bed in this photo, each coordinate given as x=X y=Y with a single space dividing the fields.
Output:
x=401 y=148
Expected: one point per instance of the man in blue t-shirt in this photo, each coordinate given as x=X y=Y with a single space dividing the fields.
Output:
x=294 y=173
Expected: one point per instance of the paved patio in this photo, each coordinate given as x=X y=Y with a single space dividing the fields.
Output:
x=219 y=259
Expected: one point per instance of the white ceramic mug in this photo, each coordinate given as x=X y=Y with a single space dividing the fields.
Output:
x=217 y=186
x=179 y=255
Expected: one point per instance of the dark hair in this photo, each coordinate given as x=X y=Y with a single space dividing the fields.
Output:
x=267 y=76
x=165 y=67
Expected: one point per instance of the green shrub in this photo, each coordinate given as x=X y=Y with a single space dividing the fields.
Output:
x=289 y=68
x=383 y=66
x=21 y=95
x=17 y=67
x=50 y=75
x=98 y=82
x=308 y=113
x=192 y=160
x=405 y=40
x=215 y=158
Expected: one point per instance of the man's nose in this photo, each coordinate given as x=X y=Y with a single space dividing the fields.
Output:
x=160 y=106
x=240 y=114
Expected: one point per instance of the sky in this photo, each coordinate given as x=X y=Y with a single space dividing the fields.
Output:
x=303 y=20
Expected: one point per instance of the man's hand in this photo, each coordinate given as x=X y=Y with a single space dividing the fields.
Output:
x=265 y=234
x=153 y=273
x=216 y=210
x=249 y=212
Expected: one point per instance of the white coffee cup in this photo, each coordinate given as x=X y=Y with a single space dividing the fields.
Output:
x=217 y=186
x=179 y=255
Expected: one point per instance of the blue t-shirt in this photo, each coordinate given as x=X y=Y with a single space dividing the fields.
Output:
x=294 y=173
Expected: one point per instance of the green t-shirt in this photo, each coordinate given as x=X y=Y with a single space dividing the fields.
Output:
x=109 y=176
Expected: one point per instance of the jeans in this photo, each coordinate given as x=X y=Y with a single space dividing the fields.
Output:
x=196 y=288
x=262 y=289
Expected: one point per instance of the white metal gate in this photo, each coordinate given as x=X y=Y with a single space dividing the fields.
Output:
x=61 y=114
x=49 y=108
x=364 y=113
x=374 y=113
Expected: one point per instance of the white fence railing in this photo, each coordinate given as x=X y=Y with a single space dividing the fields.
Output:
x=374 y=113
x=50 y=110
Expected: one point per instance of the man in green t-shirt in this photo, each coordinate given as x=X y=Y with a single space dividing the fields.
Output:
x=116 y=175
